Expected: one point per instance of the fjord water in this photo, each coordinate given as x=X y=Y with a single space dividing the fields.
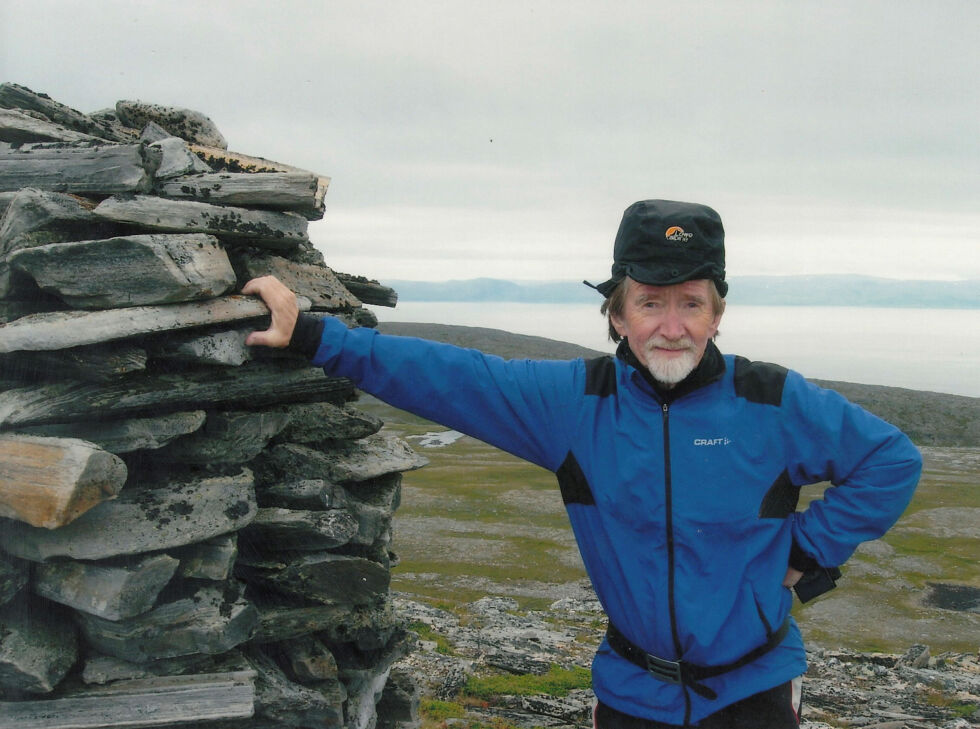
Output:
x=922 y=349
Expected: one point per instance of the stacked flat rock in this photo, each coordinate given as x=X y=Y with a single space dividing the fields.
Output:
x=192 y=533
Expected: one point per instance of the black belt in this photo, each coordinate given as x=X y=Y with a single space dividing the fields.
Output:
x=682 y=672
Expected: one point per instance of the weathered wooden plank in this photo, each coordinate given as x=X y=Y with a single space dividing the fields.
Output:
x=37 y=646
x=367 y=290
x=136 y=270
x=316 y=283
x=212 y=559
x=17 y=127
x=255 y=385
x=84 y=169
x=221 y=160
x=316 y=422
x=94 y=363
x=211 y=619
x=294 y=191
x=140 y=703
x=65 y=329
x=327 y=578
x=184 y=123
x=277 y=230
x=227 y=437
x=111 y=590
x=48 y=482
x=15 y=96
x=142 y=519
x=124 y=435
x=277 y=529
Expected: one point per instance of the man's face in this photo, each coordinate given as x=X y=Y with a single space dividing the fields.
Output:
x=668 y=327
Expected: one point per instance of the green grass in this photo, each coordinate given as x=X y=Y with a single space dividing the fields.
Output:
x=425 y=632
x=511 y=515
x=556 y=682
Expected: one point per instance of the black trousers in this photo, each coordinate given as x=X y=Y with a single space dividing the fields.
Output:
x=772 y=709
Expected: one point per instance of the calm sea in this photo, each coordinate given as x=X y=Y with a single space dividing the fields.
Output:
x=922 y=349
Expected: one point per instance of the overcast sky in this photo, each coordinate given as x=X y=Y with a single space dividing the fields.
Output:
x=505 y=139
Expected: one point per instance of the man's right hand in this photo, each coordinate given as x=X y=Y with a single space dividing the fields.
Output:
x=282 y=305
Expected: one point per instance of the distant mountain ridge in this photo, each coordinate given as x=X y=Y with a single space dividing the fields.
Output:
x=816 y=290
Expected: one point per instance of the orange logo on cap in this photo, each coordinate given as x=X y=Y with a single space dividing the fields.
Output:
x=676 y=232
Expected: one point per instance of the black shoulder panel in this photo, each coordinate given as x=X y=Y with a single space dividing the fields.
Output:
x=759 y=382
x=600 y=376
x=781 y=499
x=574 y=487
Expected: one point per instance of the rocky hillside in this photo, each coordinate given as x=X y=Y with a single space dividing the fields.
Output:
x=929 y=418
x=490 y=663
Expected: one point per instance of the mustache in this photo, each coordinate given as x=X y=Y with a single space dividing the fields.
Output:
x=659 y=342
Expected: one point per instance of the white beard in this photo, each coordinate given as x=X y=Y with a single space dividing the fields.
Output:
x=670 y=370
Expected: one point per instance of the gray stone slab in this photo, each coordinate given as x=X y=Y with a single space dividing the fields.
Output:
x=213 y=559
x=15 y=96
x=304 y=494
x=94 y=363
x=292 y=705
x=141 y=519
x=112 y=590
x=136 y=270
x=339 y=461
x=125 y=435
x=316 y=422
x=83 y=169
x=227 y=437
x=282 y=618
x=39 y=217
x=256 y=385
x=212 y=619
x=368 y=291
x=277 y=529
x=17 y=127
x=49 y=482
x=177 y=159
x=64 y=329
x=14 y=574
x=316 y=283
x=184 y=123
x=279 y=231
x=322 y=577
x=37 y=646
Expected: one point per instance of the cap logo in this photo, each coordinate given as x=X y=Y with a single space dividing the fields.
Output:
x=676 y=233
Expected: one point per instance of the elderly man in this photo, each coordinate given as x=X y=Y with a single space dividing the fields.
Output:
x=680 y=469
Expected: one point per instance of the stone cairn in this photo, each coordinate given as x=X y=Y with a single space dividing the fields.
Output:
x=192 y=533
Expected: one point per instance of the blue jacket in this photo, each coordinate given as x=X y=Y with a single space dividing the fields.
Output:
x=684 y=509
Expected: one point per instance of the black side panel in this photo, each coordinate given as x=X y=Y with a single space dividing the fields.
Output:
x=600 y=376
x=781 y=499
x=571 y=481
x=759 y=382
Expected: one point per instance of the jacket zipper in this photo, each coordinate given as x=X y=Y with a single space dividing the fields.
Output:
x=669 y=508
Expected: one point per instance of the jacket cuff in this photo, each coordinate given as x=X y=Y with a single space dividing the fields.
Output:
x=800 y=560
x=306 y=336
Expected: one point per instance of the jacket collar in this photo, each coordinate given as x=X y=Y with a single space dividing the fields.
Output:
x=710 y=368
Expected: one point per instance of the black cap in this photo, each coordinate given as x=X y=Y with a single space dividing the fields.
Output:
x=662 y=242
